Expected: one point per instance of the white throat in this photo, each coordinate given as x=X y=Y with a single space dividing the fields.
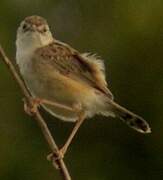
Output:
x=32 y=40
x=28 y=42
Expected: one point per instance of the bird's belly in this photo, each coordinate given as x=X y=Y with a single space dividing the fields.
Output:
x=61 y=89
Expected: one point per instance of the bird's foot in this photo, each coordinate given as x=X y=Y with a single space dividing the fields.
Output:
x=53 y=157
x=31 y=107
x=58 y=155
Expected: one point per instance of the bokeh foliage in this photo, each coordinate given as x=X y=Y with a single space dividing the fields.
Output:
x=129 y=36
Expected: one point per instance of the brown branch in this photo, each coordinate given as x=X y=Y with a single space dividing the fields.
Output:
x=37 y=116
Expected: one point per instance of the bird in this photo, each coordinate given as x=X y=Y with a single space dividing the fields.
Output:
x=68 y=84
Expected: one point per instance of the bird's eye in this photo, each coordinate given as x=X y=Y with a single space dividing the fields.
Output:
x=24 y=26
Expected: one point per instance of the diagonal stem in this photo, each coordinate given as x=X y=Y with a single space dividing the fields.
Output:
x=41 y=122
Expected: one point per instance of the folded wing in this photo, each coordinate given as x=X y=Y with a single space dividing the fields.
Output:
x=80 y=67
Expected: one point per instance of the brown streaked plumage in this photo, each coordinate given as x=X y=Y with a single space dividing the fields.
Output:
x=55 y=71
x=74 y=65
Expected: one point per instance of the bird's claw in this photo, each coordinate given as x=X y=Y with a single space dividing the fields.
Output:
x=31 y=107
x=53 y=157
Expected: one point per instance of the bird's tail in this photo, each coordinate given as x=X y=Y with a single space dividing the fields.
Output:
x=132 y=120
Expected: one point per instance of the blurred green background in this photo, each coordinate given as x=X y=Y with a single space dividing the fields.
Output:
x=129 y=36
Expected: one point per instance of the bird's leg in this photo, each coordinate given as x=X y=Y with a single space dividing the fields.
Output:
x=59 y=105
x=63 y=150
x=36 y=102
x=73 y=133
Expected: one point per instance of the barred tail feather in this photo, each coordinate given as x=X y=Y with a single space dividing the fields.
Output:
x=132 y=120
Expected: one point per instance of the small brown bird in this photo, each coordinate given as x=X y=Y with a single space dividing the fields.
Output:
x=55 y=72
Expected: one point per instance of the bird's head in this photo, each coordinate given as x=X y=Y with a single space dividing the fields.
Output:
x=33 y=31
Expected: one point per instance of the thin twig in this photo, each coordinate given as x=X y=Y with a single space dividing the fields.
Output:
x=37 y=116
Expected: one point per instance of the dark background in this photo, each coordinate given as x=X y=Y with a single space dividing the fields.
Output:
x=128 y=34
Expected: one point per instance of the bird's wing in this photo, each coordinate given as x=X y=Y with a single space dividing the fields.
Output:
x=80 y=67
